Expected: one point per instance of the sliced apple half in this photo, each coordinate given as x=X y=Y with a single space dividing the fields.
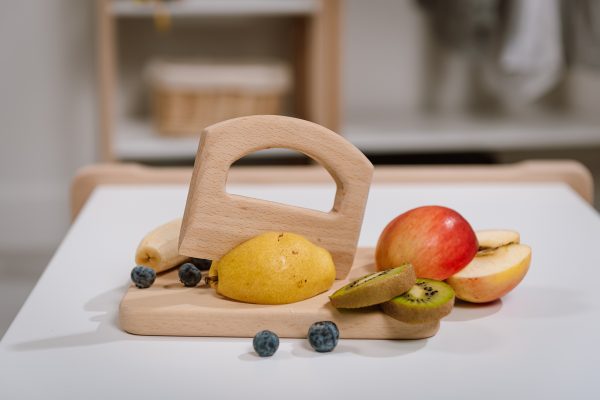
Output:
x=492 y=275
x=492 y=239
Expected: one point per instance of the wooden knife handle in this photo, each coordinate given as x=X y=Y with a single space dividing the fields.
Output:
x=214 y=221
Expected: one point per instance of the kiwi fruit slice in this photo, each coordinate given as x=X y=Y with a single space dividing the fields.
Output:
x=375 y=288
x=426 y=301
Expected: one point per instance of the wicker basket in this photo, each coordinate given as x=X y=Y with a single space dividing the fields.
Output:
x=188 y=96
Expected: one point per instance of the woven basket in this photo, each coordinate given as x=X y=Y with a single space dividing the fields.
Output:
x=189 y=96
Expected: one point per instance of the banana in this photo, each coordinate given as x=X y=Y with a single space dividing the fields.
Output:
x=159 y=248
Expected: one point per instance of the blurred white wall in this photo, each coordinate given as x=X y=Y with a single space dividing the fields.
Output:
x=48 y=120
x=47 y=116
x=383 y=57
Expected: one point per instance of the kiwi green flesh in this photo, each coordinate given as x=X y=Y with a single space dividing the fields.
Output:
x=375 y=288
x=428 y=300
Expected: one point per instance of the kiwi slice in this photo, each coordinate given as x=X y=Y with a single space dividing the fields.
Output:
x=426 y=301
x=375 y=288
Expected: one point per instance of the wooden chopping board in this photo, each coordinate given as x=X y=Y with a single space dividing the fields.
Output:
x=170 y=309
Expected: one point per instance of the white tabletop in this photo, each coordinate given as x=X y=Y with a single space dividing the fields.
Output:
x=540 y=341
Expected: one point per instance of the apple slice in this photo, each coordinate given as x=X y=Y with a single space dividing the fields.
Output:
x=491 y=275
x=493 y=238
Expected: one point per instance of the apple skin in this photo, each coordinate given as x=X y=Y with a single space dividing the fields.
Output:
x=485 y=288
x=436 y=240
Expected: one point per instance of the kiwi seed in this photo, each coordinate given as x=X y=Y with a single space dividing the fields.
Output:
x=426 y=301
x=375 y=288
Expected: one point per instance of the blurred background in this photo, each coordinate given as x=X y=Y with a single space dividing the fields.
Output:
x=407 y=81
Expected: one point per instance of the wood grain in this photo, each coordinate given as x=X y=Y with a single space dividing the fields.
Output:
x=323 y=49
x=317 y=62
x=107 y=64
x=214 y=221
x=168 y=308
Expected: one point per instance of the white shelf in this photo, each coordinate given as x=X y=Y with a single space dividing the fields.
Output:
x=425 y=134
x=137 y=140
x=191 y=8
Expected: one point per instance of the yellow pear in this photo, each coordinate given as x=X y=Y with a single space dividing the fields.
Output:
x=273 y=268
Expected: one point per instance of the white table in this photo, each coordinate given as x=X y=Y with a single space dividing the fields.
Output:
x=540 y=341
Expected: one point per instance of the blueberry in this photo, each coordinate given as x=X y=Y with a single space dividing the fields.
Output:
x=189 y=274
x=143 y=277
x=323 y=336
x=265 y=343
x=201 y=263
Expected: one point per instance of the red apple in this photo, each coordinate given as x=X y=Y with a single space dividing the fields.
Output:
x=436 y=240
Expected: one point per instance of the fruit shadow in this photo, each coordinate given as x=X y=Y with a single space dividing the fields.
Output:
x=368 y=348
x=547 y=302
x=365 y=348
x=106 y=305
x=251 y=355
x=176 y=295
x=533 y=302
x=464 y=311
x=198 y=296
x=474 y=339
x=168 y=291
